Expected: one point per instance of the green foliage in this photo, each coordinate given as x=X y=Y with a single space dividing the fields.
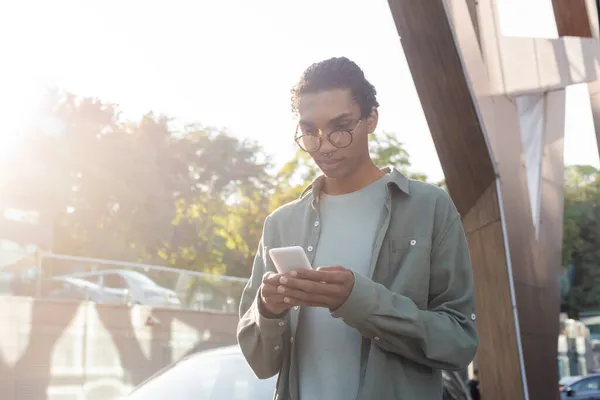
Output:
x=581 y=243
x=138 y=191
x=196 y=198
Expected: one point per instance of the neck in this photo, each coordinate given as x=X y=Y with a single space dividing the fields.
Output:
x=359 y=179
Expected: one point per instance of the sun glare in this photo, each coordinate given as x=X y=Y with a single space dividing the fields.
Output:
x=18 y=102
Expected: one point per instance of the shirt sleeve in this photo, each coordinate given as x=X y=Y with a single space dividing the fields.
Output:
x=260 y=338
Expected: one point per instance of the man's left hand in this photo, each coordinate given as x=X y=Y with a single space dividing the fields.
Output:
x=325 y=287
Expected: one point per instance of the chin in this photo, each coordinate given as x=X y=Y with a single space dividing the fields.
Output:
x=339 y=173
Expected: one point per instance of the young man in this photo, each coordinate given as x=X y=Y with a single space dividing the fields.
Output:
x=389 y=303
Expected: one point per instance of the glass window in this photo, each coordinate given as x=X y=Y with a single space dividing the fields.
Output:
x=139 y=277
x=594 y=329
x=114 y=281
x=587 y=385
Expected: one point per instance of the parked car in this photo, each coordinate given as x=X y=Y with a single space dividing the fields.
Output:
x=65 y=287
x=582 y=387
x=223 y=373
x=566 y=380
x=136 y=287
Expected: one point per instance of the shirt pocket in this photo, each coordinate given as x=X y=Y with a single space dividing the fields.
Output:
x=410 y=262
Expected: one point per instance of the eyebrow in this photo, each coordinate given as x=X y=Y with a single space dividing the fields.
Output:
x=332 y=120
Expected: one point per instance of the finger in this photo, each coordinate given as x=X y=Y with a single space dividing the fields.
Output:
x=303 y=303
x=296 y=297
x=294 y=293
x=271 y=278
x=267 y=290
x=337 y=276
x=308 y=286
x=299 y=298
x=275 y=300
x=331 y=268
x=270 y=295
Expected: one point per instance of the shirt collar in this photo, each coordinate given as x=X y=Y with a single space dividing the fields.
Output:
x=397 y=179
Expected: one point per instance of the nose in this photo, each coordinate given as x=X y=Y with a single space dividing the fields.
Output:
x=326 y=146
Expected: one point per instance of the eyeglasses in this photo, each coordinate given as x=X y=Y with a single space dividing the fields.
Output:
x=311 y=143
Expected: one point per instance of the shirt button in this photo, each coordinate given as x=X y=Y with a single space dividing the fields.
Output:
x=413 y=242
x=473 y=317
x=281 y=323
x=376 y=338
x=292 y=339
x=316 y=223
x=310 y=248
x=276 y=348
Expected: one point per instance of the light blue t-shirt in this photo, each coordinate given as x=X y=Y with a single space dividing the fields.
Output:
x=329 y=350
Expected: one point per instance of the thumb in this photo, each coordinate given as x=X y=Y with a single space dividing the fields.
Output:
x=331 y=268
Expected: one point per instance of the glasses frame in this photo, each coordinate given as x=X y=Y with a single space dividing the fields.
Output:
x=320 y=137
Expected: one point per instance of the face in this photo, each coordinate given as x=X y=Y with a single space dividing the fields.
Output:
x=330 y=111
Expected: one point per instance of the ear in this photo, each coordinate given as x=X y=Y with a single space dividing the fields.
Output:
x=372 y=120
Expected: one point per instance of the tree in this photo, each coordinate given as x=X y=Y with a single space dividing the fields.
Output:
x=581 y=243
x=227 y=179
x=136 y=190
x=192 y=199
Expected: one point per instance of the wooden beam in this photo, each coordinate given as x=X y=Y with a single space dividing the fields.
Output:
x=452 y=115
x=521 y=65
x=572 y=18
x=474 y=127
x=436 y=54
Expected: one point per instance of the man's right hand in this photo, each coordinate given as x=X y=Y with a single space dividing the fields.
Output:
x=272 y=304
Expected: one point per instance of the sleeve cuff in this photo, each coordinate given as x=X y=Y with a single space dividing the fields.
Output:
x=360 y=304
x=269 y=327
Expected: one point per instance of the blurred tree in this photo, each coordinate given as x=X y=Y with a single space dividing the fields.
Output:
x=581 y=243
x=196 y=199
x=137 y=191
x=222 y=211
x=292 y=179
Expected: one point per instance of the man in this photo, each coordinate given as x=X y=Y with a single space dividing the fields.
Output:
x=389 y=303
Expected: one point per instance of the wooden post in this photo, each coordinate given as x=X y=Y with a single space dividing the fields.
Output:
x=479 y=91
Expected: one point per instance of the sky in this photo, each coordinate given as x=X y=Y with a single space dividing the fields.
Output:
x=229 y=64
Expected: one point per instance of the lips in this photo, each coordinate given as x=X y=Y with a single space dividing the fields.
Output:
x=329 y=164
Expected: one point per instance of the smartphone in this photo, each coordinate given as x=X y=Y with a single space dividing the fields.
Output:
x=287 y=259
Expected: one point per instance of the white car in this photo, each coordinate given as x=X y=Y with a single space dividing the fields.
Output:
x=136 y=287
x=223 y=373
x=66 y=287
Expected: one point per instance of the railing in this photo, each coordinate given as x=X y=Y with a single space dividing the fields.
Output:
x=114 y=281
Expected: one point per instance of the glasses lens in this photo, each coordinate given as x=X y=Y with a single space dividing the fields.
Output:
x=309 y=143
x=340 y=138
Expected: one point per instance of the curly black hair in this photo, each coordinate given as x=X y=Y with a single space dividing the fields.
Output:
x=336 y=73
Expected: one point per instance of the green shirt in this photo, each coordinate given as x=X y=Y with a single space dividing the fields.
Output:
x=416 y=313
